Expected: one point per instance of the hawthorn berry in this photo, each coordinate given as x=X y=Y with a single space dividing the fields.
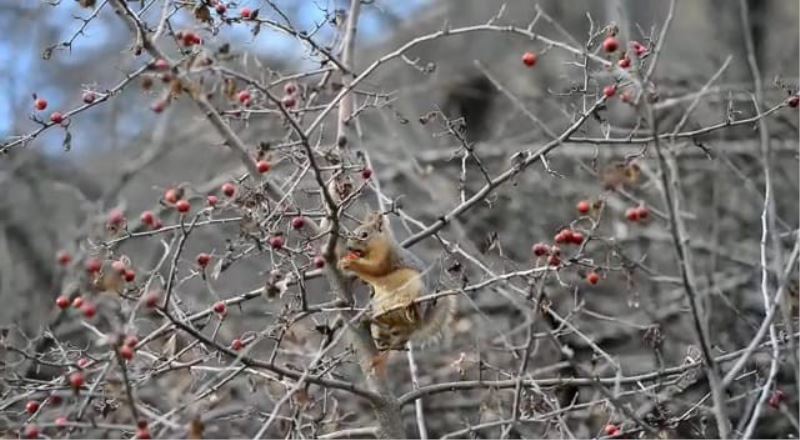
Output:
x=159 y=106
x=288 y=101
x=151 y=300
x=183 y=206
x=639 y=49
x=89 y=310
x=191 y=39
x=143 y=434
x=793 y=101
x=576 y=238
x=221 y=8
x=131 y=341
x=157 y=225
x=63 y=258
x=62 y=302
x=212 y=200
x=246 y=13
x=31 y=407
x=116 y=218
x=319 y=262
x=161 y=64
x=147 y=218
x=632 y=214
x=203 y=259
x=142 y=424
x=583 y=207
x=61 y=422
x=54 y=400
x=119 y=267
x=610 y=44
x=40 y=104
x=228 y=189
x=277 y=242
x=612 y=430
x=220 y=308
x=776 y=399
x=237 y=344
x=88 y=97
x=554 y=260
x=126 y=352
x=540 y=249
x=93 y=265
x=31 y=431
x=244 y=97
x=77 y=380
x=642 y=212
x=593 y=278
x=564 y=236
x=263 y=166
x=77 y=302
x=129 y=275
x=172 y=195
x=298 y=222
x=624 y=62
x=366 y=173
x=610 y=90
x=56 y=117
x=290 y=88
x=529 y=59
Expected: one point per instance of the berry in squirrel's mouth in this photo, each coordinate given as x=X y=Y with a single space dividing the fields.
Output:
x=355 y=253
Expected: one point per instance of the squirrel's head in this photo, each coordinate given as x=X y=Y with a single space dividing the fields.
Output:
x=374 y=229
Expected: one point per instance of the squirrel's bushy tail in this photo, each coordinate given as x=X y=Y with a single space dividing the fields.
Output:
x=436 y=322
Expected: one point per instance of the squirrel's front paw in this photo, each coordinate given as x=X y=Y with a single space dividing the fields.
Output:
x=345 y=263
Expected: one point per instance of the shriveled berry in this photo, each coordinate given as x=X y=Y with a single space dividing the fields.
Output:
x=529 y=59
x=776 y=398
x=540 y=249
x=610 y=44
x=228 y=189
x=116 y=218
x=203 y=259
x=62 y=302
x=183 y=206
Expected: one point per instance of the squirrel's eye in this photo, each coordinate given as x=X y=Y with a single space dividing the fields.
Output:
x=363 y=235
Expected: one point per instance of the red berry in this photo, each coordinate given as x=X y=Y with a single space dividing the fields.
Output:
x=143 y=434
x=793 y=101
x=554 y=260
x=203 y=259
x=147 y=218
x=540 y=249
x=88 y=97
x=298 y=222
x=593 y=278
x=319 y=262
x=610 y=44
x=172 y=195
x=89 y=310
x=62 y=302
x=190 y=39
x=142 y=424
x=77 y=302
x=212 y=200
x=126 y=352
x=119 y=267
x=624 y=62
x=161 y=64
x=221 y=8
x=159 y=106
x=220 y=308
x=31 y=407
x=56 y=117
x=54 y=400
x=151 y=300
x=288 y=101
x=131 y=341
x=290 y=88
x=584 y=207
x=776 y=399
x=129 y=275
x=228 y=189
x=237 y=344
x=366 y=173
x=183 y=206
x=639 y=48
x=576 y=238
x=63 y=257
x=244 y=96
x=246 y=13
x=93 y=265
x=157 y=225
x=565 y=236
x=555 y=250
x=632 y=214
x=40 y=104
x=610 y=91
x=529 y=59
x=642 y=212
x=76 y=380
x=116 y=218
x=61 y=422
x=277 y=242
x=31 y=431
x=263 y=166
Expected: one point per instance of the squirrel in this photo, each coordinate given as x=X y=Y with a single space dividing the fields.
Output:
x=398 y=278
